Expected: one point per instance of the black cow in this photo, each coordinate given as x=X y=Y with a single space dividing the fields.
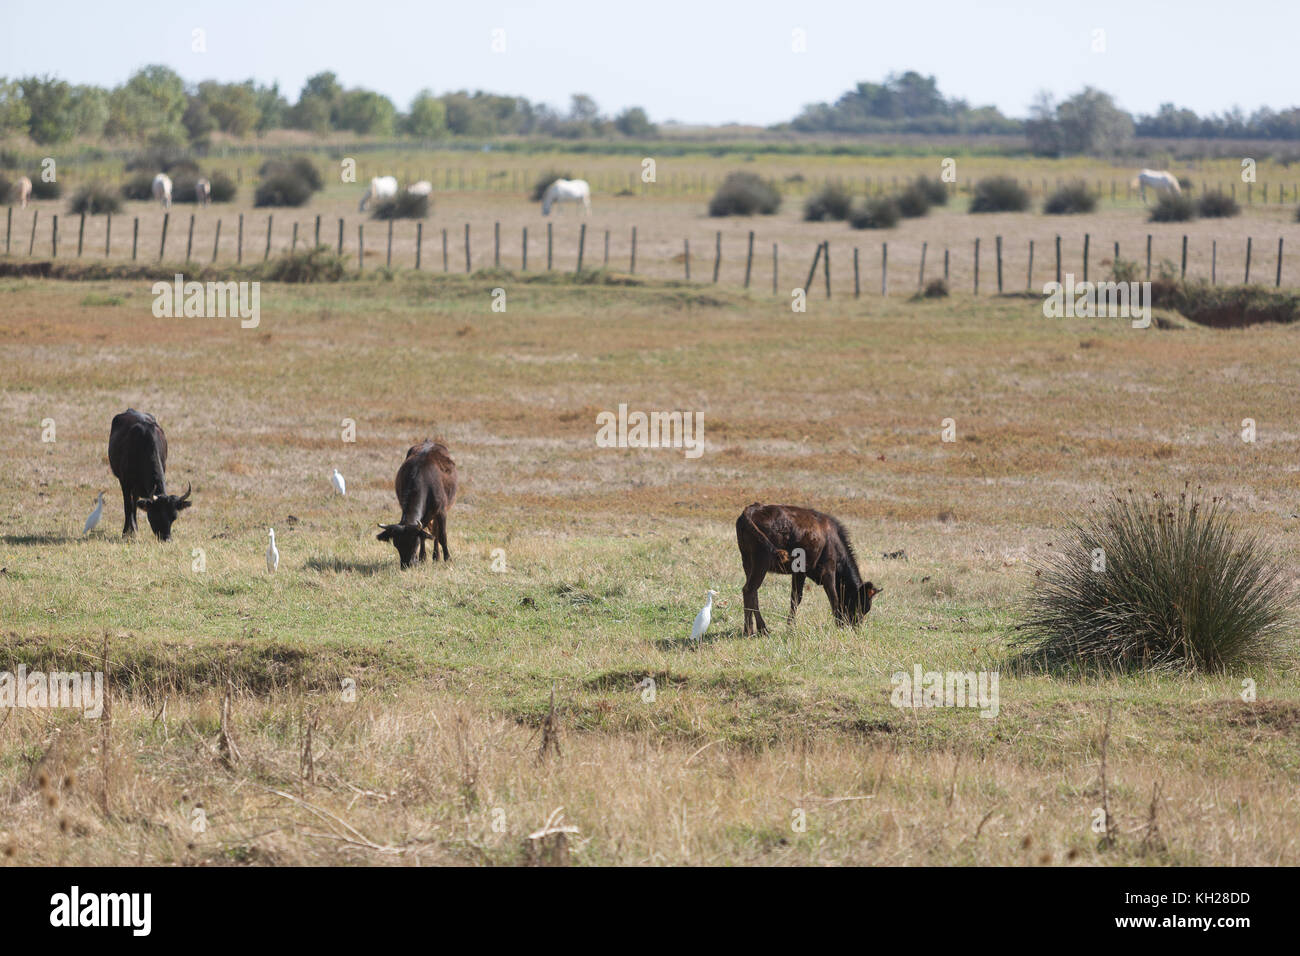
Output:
x=426 y=490
x=137 y=453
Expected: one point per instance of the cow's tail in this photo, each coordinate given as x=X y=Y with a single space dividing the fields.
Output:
x=779 y=556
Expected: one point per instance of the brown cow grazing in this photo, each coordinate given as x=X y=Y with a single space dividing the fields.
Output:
x=802 y=543
x=137 y=453
x=426 y=490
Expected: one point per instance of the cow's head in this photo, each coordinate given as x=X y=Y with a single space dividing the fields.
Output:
x=857 y=602
x=406 y=539
x=162 y=511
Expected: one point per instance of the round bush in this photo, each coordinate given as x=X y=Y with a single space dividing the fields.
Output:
x=299 y=167
x=544 y=181
x=1146 y=582
x=1069 y=200
x=139 y=186
x=43 y=190
x=913 y=202
x=95 y=198
x=223 y=188
x=1173 y=208
x=402 y=206
x=935 y=289
x=934 y=191
x=880 y=212
x=832 y=201
x=744 y=194
x=282 y=189
x=1217 y=205
x=999 y=194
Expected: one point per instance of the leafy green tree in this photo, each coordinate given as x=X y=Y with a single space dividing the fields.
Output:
x=150 y=105
x=50 y=106
x=232 y=105
x=14 y=111
x=633 y=121
x=366 y=112
x=428 y=116
x=1092 y=123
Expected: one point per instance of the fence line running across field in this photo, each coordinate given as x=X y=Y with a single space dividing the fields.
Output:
x=567 y=250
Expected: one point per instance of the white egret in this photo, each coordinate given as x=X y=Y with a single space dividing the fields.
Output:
x=94 y=515
x=703 y=618
x=272 y=555
x=339 y=485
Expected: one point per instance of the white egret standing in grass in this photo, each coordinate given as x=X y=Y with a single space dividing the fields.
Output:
x=339 y=486
x=703 y=618
x=272 y=555
x=94 y=515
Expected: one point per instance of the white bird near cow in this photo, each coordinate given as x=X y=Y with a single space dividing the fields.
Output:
x=24 y=190
x=162 y=190
x=203 y=192
x=567 y=190
x=1159 y=180
x=703 y=618
x=272 y=554
x=339 y=484
x=422 y=188
x=381 y=187
x=94 y=515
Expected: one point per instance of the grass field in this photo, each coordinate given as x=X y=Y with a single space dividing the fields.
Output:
x=775 y=750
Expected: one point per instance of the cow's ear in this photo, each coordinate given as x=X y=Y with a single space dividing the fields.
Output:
x=182 y=504
x=386 y=534
x=425 y=535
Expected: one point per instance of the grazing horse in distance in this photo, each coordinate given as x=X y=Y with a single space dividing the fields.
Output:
x=381 y=187
x=24 y=190
x=203 y=192
x=1159 y=180
x=800 y=542
x=567 y=190
x=162 y=190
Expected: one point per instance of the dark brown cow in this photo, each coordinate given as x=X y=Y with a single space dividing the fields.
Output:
x=426 y=490
x=137 y=453
x=782 y=538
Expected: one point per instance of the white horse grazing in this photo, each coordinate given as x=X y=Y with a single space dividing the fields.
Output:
x=567 y=190
x=24 y=189
x=381 y=187
x=422 y=188
x=1159 y=180
x=162 y=190
x=203 y=192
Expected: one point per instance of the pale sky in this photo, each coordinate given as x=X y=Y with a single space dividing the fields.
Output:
x=698 y=61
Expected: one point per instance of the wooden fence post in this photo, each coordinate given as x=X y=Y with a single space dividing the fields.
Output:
x=1214 y=261
x=340 y=235
x=812 y=271
x=467 y=253
x=582 y=243
x=945 y=265
x=162 y=246
x=605 y=263
x=108 y=235
x=361 y=247
x=826 y=263
x=419 y=243
x=189 y=241
x=496 y=245
x=1058 y=260
x=1248 y=245
x=1183 y=271
x=81 y=234
x=1029 y=283
x=550 y=246
x=216 y=243
x=1278 y=283
x=749 y=258
x=717 y=257
x=135 y=236
x=524 y=249
x=977 y=266
x=857 y=288
x=632 y=266
x=998 y=243
x=31 y=245
x=1086 y=242
x=776 y=268
x=294 y=244
x=54 y=237
x=688 y=258
x=316 y=241
x=239 y=243
x=445 y=266
x=9 y=227
x=1148 y=257
x=269 y=219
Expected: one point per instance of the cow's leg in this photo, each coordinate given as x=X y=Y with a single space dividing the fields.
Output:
x=750 y=598
x=128 y=506
x=796 y=593
x=422 y=557
x=833 y=596
x=442 y=537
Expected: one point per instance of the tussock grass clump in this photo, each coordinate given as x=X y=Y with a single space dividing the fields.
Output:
x=543 y=182
x=1153 y=583
x=1173 y=208
x=999 y=194
x=832 y=201
x=282 y=189
x=1125 y=270
x=138 y=187
x=300 y=167
x=1217 y=205
x=402 y=206
x=93 y=198
x=880 y=212
x=1070 y=199
x=935 y=289
x=320 y=264
x=934 y=190
x=744 y=194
